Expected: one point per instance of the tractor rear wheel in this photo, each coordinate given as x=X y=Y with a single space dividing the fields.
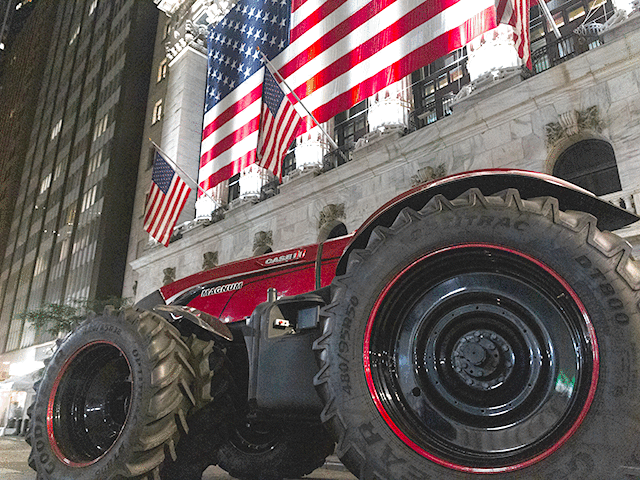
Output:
x=485 y=336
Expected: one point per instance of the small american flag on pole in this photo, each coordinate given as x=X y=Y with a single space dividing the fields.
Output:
x=166 y=200
x=279 y=124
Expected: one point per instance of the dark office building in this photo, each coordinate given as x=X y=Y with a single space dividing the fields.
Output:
x=70 y=227
x=20 y=80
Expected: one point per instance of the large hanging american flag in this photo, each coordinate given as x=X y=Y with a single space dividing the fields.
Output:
x=166 y=200
x=343 y=51
x=337 y=53
x=332 y=53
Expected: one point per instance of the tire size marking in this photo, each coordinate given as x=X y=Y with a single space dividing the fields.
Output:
x=104 y=328
x=344 y=348
x=487 y=221
x=606 y=289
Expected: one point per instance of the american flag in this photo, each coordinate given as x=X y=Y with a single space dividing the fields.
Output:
x=234 y=86
x=337 y=53
x=343 y=51
x=516 y=14
x=278 y=125
x=166 y=200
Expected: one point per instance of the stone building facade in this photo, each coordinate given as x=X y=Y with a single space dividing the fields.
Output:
x=498 y=116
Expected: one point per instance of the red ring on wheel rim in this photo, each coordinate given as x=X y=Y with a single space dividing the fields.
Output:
x=50 y=408
x=445 y=463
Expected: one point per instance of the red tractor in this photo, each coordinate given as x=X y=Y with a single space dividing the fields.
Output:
x=482 y=325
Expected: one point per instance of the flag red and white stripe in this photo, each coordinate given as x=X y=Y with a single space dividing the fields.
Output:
x=516 y=14
x=278 y=125
x=166 y=200
x=342 y=52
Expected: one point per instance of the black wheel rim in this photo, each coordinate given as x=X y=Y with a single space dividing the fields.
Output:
x=89 y=404
x=481 y=358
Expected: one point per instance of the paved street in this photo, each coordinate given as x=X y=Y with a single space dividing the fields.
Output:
x=14 y=453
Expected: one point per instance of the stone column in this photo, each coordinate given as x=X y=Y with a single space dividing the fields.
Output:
x=390 y=107
x=252 y=179
x=311 y=148
x=492 y=54
x=182 y=127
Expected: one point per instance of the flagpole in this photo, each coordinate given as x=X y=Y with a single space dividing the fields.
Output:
x=547 y=13
x=276 y=74
x=200 y=189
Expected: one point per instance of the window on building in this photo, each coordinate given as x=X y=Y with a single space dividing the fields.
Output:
x=157 y=112
x=162 y=70
x=351 y=124
x=591 y=164
x=435 y=86
x=75 y=34
x=46 y=183
x=234 y=187
x=56 y=129
x=289 y=161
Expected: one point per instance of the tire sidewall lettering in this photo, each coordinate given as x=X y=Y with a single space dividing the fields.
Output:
x=605 y=289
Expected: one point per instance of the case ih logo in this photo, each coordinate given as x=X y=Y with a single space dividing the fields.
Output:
x=289 y=257
x=207 y=292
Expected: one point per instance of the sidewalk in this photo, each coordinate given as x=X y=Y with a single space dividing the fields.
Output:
x=14 y=454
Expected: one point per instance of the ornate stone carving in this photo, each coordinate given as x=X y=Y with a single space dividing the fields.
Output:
x=169 y=275
x=330 y=213
x=189 y=22
x=428 y=173
x=262 y=240
x=572 y=123
x=209 y=260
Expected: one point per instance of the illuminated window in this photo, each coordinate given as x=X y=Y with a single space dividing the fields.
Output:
x=157 y=112
x=456 y=74
x=536 y=33
x=443 y=80
x=429 y=89
x=56 y=129
x=576 y=12
x=558 y=19
x=46 y=183
x=593 y=4
x=162 y=70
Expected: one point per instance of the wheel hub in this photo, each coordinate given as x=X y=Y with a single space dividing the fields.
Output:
x=482 y=359
x=465 y=351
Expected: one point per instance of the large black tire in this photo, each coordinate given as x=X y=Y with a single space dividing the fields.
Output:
x=209 y=422
x=485 y=336
x=271 y=452
x=113 y=400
